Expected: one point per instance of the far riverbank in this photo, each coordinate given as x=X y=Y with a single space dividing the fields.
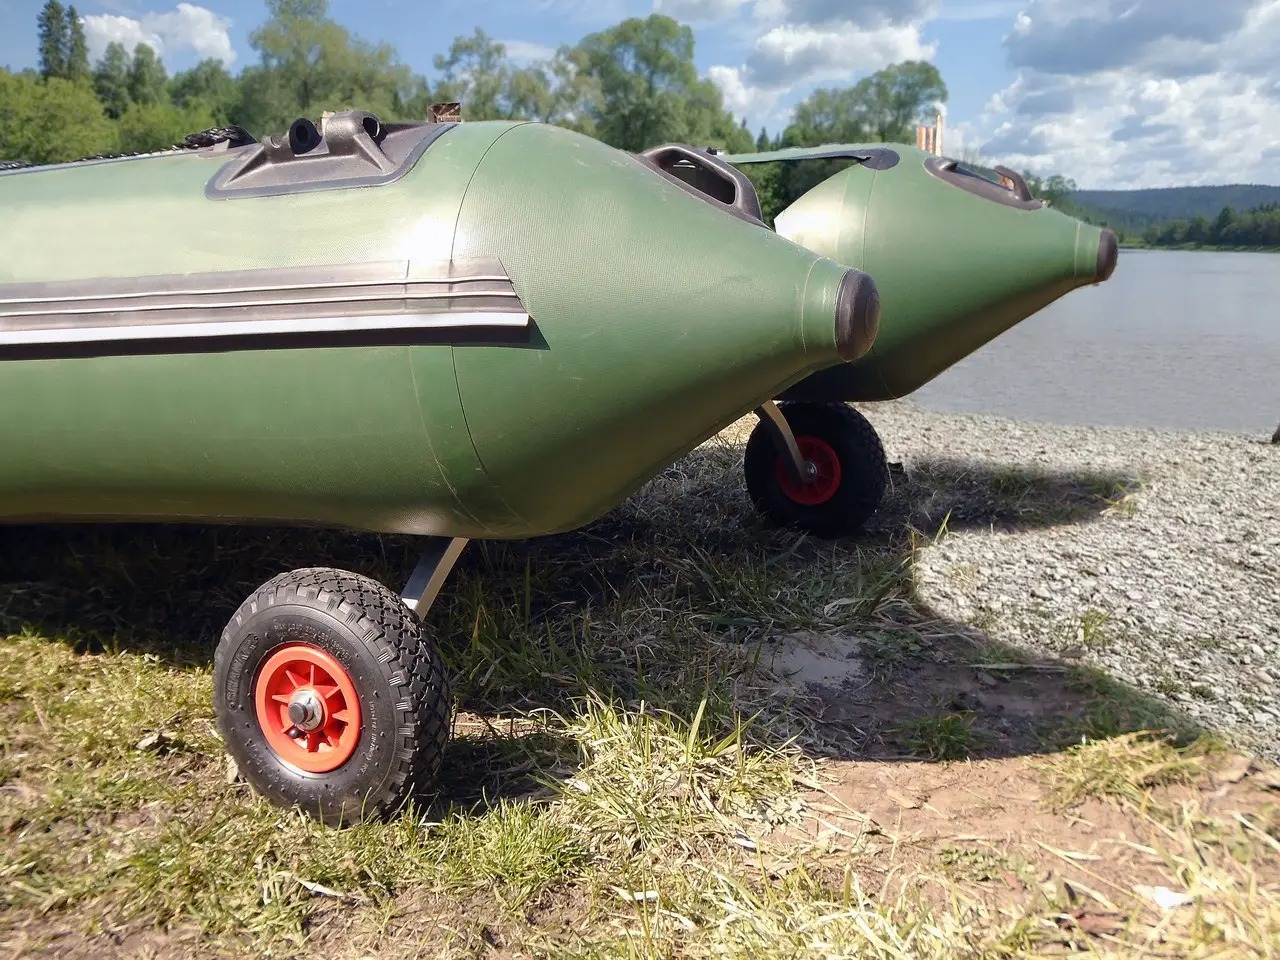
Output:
x=1129 y=245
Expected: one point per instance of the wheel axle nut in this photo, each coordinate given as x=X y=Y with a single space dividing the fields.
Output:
x=305 y=710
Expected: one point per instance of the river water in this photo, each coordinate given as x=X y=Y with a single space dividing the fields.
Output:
x=1175 y=339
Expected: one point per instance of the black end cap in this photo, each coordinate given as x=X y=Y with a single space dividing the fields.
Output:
x=1108 y=253
x=857 y=314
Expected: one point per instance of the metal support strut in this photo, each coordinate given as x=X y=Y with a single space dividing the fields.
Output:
x=431 y=572
x=798 y=468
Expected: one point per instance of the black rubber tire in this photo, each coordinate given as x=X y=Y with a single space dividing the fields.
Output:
x=398 y=675
x=863 y=466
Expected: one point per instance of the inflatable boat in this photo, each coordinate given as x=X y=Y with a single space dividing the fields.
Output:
x=457 y=331
x=959 y=256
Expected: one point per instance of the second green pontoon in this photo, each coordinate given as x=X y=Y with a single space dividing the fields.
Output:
x=959 y=257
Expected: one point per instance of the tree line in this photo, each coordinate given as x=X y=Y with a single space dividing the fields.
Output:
x=1256 y=228
x=632 y=85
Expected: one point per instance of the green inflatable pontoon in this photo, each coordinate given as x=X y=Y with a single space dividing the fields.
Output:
x=458 y=331
x=958 y=258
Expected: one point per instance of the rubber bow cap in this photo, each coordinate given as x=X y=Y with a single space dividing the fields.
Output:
x=1108 y=252
x=857 y=314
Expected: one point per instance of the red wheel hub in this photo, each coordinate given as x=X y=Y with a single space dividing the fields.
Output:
x=307 y=708
x=825 y=482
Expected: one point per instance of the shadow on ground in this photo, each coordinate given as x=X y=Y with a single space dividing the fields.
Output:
x=643 y=604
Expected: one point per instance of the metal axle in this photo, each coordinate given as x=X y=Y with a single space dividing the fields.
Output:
x=431 y=572
x=798 y=468
x=305 y=710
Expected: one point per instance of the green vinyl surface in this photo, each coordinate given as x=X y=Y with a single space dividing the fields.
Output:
x=954 y=269
x=656 y=320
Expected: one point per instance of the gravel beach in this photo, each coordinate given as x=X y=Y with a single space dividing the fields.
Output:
x=1171 y=582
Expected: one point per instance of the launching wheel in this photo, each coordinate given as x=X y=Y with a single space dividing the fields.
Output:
x=846 y=476
x=330 y=697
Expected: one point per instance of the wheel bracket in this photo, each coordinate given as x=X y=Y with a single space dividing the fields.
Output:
x=798 y=468
x=431 y=572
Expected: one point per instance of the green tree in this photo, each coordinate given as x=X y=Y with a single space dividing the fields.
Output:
x=1222 y=225
x=1055 y=188
x=649 y=88
x=208 y=85
x=50 y=121
x=769 y=181
x=555 y=91
x=308 y=63
x=475 y=73
x=77 y=66
x=54 y=40
x=111 y=80
x=885 y=106
x=902 y=95
x=148 y=80
x=709 y=124
x=829 y=115
x=158 y=126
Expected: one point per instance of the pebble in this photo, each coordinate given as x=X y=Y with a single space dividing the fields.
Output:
x=1188 y=577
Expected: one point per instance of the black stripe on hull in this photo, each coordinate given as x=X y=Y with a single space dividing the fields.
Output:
x=526 y=336
x=346 y=304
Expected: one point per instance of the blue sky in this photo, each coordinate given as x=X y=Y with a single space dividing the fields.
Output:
x=1113 y=93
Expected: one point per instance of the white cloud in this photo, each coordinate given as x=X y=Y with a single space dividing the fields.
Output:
x=1118 y=93
x=698 y=11
x=738 y=97
x=522 y=51
x=742 y=100
x=102 y=30
x=867 y=13
x=1183 y=101
x=187 y=27
x=959 y=11
x=595 y=12
x=1124 y=133
x=1070 y=36
x=961 y=140
x=797 y=42
x=788 y=55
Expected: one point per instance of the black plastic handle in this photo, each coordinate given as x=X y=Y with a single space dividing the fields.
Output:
x=944 y=168
x=744 y=200
x=1019 y=184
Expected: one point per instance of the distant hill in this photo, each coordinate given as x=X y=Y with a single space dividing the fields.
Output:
x=1140 y=207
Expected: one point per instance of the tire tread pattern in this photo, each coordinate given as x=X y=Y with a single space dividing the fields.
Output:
x=862 y=458
x=394 y=635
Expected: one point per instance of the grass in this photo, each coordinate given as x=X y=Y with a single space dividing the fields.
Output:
x=1111 y=710
x=1123 y=768
x=949 y=736
x=978 y=865
x=1011 y=495
x=631 y=775
x=1092 y=632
